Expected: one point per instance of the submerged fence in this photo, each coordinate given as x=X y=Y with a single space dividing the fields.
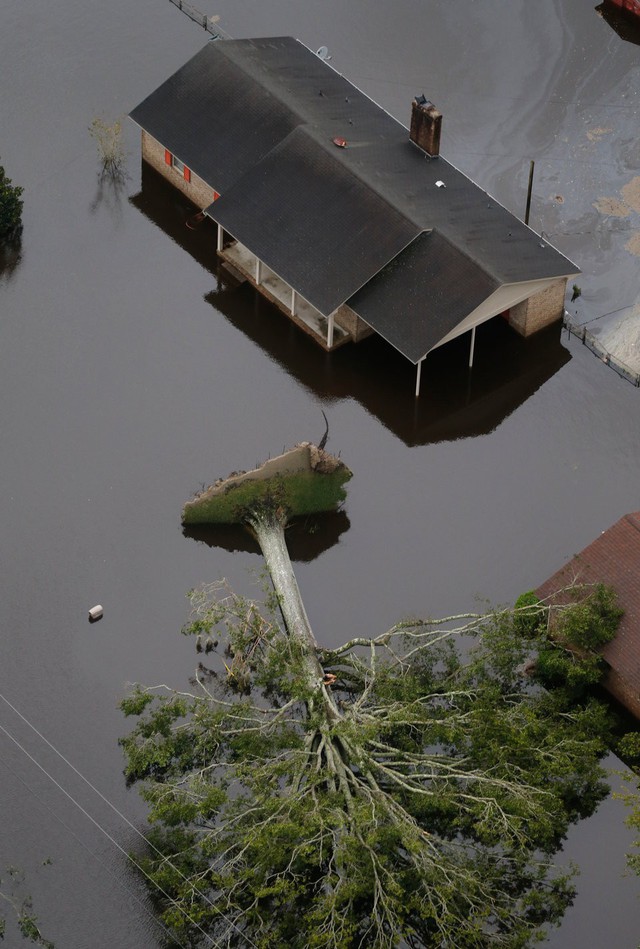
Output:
x=592 y=343
x=209 y=23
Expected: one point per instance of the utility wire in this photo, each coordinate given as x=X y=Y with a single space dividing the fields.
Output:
x=70 y=830
x=106 y=833
x=118 y=812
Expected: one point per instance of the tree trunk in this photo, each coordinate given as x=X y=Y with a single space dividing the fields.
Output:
x=268 y=529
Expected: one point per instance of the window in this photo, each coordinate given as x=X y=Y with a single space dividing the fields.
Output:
x=179 y=166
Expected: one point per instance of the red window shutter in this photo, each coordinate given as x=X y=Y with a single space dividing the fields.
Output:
x=215 y=195
x=187 y=173
x=167 y=156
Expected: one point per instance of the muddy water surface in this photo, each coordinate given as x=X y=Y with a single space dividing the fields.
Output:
x=129 y=375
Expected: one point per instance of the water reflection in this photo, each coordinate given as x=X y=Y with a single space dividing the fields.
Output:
x=110 y=193
x=169 y=210
x=307 y=537
x=10 y=259
x=455 y=401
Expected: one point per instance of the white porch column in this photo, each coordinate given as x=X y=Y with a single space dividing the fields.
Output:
x=258 y=271
x=330 y=331
x=418 y=374
x=220 y=237
x=473 y=344
x=293 y=302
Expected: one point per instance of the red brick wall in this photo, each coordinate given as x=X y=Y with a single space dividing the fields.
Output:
x=196 y=190
x=539 y=310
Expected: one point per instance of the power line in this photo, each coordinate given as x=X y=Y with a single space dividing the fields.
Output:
x=70 y=830
x=106 y=833
x=119 y=813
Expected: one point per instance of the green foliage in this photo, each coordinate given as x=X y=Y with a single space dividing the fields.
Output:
x=299 y=493
x=628 y=748
x=10 y=209
x=527 y=615
x=593 y=621
x=421 y=799
x=557 y=669
x=21 y=907
x=572 y=662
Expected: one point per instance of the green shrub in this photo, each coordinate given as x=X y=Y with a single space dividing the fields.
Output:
x=556 y=669
x=528 y=615
x=10 y=209
x=593 y=622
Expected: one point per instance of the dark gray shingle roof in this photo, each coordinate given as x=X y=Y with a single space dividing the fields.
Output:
x=326 y=235
x=256 y=119
x=413 y=302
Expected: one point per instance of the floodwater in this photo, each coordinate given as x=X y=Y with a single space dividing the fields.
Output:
x=130 y=375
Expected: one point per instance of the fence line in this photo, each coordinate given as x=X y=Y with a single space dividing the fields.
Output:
x=209 y=23
x=574 y=329
x=592 y=343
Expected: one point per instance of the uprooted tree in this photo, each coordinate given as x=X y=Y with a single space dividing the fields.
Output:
x=408 y=788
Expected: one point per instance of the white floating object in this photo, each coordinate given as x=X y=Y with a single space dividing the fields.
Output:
x=95 y=613
x=440 y=184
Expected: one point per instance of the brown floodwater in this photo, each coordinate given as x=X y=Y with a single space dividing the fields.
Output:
x=131 y=373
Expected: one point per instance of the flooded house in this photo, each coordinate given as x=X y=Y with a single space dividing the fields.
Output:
x=350 y=223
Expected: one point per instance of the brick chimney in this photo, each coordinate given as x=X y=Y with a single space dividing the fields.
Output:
x=426 y=122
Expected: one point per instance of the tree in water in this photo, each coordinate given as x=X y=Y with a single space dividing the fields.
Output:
x=108 y=139
x=11 y=205
x=21 y=909
x=408 y=788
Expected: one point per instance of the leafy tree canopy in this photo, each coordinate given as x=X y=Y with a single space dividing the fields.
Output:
x=10 y=209
x=413 y=789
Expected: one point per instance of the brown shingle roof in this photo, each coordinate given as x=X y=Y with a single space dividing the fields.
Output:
x=614 y=559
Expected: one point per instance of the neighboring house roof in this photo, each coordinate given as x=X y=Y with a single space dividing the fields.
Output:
x=613 y=558
x=256 y=119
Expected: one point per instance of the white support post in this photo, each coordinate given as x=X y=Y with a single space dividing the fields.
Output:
x=473 y=344
x=330 y=331
x=258 y=271
x=418 y=375
x=293 y=302
x=220 y=237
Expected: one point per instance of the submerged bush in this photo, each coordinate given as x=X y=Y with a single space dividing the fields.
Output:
x=10 y=209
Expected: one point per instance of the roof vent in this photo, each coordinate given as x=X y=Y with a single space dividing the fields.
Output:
x=426 y=123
